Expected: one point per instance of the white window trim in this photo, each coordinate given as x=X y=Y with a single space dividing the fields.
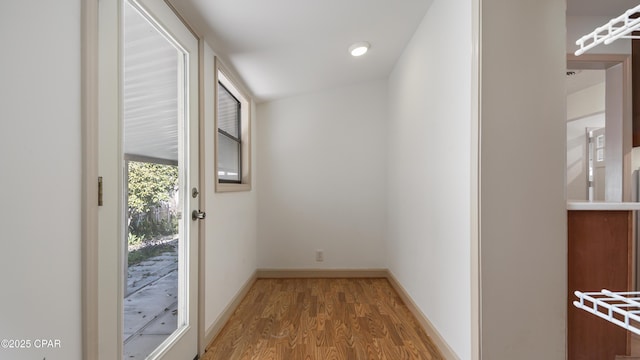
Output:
x=245 y=123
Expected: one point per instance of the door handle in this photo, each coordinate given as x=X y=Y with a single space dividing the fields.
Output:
x=198 y=215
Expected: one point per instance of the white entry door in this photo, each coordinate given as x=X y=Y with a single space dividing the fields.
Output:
x=148 y=131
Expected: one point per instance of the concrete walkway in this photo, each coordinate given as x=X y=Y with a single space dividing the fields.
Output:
x=151 y=303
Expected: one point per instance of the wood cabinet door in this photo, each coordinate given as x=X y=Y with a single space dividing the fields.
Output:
x=600 y=245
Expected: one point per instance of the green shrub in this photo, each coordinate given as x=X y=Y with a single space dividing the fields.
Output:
x=148 y=229
x=151 y=189
x=134 y=239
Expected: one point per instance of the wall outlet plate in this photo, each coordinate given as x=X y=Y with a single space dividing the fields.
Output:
x=319 y=255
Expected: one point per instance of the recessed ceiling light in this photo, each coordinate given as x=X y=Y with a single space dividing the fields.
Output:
x=359 y=48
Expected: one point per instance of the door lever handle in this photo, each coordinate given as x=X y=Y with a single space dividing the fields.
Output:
x=198 y=215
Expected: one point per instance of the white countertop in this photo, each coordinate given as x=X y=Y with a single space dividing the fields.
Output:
x=601 y=205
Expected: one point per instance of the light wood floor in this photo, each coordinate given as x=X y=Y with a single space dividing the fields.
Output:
x=322 y=319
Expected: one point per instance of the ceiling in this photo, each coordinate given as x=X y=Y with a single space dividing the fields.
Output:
x=608 y=8
x=282 y=48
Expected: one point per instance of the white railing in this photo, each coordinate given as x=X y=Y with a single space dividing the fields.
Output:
x=618 y=28
x=620 y=308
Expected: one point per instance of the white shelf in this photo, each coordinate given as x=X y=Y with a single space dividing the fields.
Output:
x=602 y=205
x=618 y=28
x=620 y=308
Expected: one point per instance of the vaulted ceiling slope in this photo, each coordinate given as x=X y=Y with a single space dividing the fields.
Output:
x=282 y=48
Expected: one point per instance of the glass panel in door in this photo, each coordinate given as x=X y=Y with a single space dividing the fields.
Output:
x=154 y=115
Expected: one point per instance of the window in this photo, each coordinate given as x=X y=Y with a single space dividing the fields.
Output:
x=233 y=138
x=229 y=137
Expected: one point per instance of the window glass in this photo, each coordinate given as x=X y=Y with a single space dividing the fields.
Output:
x=229 y=140
x=228 y=159
x=228 y=112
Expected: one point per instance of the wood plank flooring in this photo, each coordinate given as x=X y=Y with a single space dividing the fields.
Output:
x=322 y=319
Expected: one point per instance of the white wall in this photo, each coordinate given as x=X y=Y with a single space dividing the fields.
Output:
x=40 y=177
x=428 y=237
x=230 y=244
x=321 y=163
x=522 y=209
x=586 y=102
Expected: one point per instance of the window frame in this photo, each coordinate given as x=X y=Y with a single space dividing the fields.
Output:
x=223 y=77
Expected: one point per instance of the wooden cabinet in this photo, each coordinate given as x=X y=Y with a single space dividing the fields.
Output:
x=600 y=257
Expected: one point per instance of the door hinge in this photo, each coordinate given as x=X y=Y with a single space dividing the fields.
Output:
x=99 y=190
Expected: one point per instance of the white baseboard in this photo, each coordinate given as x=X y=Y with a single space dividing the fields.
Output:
x=321 y=273
x=217 y=325
x=428 y=327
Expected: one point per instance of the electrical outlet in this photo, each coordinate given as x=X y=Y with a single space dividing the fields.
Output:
x=319 y=255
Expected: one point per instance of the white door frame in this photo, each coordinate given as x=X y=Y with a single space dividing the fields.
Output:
x=89 y=114
x=90 y=159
